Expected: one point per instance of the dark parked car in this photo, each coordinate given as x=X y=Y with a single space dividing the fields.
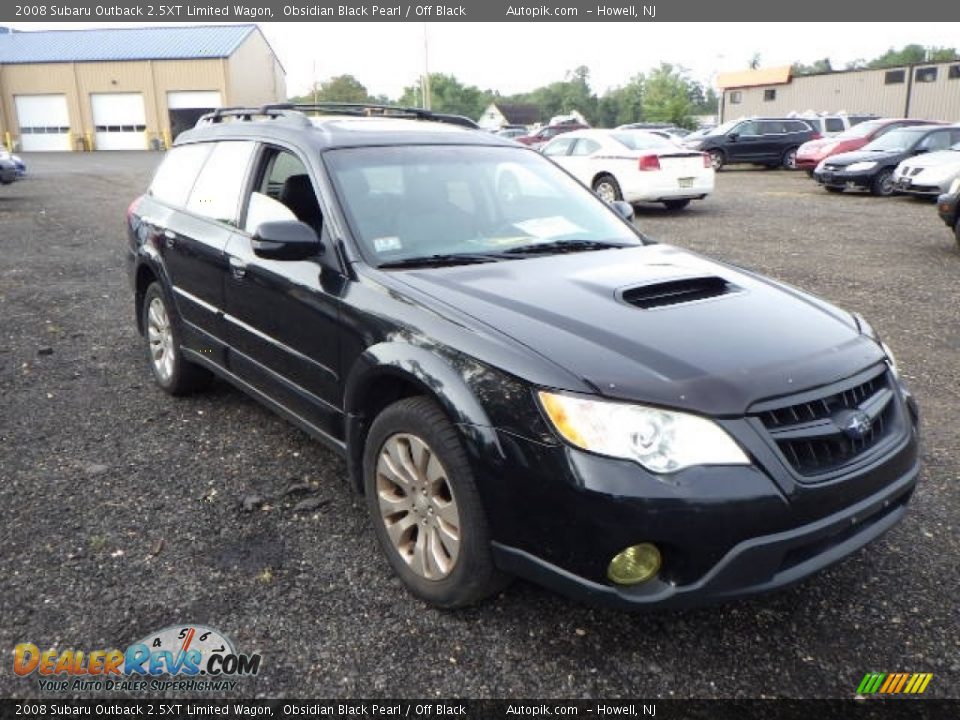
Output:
x=519 y=381
x=8 y=172
x=948 y=207
x=871 y=168
x=759 y=141
x=814 y=152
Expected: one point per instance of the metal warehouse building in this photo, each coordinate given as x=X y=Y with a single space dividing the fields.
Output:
x=930 y=91
x=127 y=88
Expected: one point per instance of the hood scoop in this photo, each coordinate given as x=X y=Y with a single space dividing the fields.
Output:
x=678 y=291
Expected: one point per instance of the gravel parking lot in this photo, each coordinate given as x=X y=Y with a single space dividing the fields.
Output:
x=124 y=507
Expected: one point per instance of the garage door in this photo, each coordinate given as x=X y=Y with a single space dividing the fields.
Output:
x=186 y=106
x=119 y=120
x=44 y=122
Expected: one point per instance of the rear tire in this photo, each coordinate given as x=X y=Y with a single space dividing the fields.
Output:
x=161 y=331
x=425 y=508
x=717 y=159
x=607 y=187
x=676 y=204
x=882 y=185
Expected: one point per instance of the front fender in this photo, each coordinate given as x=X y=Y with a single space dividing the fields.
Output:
x=443 y=376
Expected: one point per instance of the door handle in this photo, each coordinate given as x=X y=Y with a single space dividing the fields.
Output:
x=238 y=268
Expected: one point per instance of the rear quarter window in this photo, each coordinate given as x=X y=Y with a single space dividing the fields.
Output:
x=178 y=172
x=217 y=190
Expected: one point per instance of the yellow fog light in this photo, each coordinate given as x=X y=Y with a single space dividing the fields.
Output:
x=636 y=564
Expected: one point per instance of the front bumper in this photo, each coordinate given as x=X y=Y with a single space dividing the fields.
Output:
x=842 y=178
x=724 y=532
x=917 y=186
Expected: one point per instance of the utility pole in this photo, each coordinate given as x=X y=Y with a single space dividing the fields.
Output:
x=425 y=83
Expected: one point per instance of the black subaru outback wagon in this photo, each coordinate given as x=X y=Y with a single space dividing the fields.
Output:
x=520 y=382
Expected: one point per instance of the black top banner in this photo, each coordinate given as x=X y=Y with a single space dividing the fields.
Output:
x=478 y=10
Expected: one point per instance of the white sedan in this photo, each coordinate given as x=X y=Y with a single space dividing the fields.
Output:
x=633 y=165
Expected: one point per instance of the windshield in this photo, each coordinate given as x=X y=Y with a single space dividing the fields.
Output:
x=419 y=201
x=897 y=140
x=640 y=140
x=859 y=131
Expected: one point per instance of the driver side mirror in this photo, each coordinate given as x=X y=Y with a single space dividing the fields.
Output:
x=286 y=240
x=732 y=137
x=623 y=209
x=921 y=150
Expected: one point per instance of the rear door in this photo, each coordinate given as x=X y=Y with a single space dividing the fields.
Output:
x=581 y=162
x=196 y=207
x=282 y=316
x=745 y=143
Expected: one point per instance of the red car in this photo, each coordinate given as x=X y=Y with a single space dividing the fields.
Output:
x=548 y=133
x=811 y=153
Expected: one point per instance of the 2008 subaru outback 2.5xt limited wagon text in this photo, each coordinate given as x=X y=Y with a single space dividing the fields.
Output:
x=520 y=382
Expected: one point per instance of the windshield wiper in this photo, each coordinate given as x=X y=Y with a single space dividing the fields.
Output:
x=440 y=260
x=564 y=246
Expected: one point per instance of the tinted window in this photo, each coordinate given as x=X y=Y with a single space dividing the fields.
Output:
x=178 y=172
x=560 y=146
x=748 y=128
x=585 y=146
x=803 y=126
x=216 y=194
x=834 y=124
x=771 y=127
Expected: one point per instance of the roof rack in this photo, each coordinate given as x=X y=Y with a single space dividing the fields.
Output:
x=299 y=111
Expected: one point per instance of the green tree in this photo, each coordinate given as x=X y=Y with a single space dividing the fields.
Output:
x=666 y=96
x=621 y=105
x=449 y=95
x=818 y=66
x=913 y=53
x=341 y=88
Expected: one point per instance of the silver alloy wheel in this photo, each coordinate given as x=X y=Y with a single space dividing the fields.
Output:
x=417 y=506
x=716 y=159
x=606 y=191
x=886 y=183
x=790 y=159
x=160 y=337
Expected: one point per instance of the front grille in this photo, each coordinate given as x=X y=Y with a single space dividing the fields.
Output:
x=914 y=171
x=823 y=433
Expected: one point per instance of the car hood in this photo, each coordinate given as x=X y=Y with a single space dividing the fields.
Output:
x=848 y=158
x=716 y=356
x=941 y=158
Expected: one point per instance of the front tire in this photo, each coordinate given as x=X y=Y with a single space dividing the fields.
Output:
x=425 y=508
x=607 y=187
x=171 y=371
x=676 y=204
x=882 y=185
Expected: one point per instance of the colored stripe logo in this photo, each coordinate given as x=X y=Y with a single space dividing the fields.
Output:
x=894 y=683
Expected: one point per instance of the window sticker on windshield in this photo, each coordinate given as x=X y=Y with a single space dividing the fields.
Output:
x=389 y=243
x=548 y=227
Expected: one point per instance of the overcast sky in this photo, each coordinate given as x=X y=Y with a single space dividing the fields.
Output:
x=516 y=57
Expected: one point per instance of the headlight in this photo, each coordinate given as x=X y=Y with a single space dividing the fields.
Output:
x=867 y=329
x=954 y=187
x=661 y=440
x=861 y=166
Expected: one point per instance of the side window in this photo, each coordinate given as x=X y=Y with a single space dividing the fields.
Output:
x=801 y=126
x=747 y=128
x=559 y=147
x=771 y=127
x=216 y=193
x=283 y=192
x=585 y=146
x=954 y=137
x=178 y=172
x=834 y=124
x=939 y=140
